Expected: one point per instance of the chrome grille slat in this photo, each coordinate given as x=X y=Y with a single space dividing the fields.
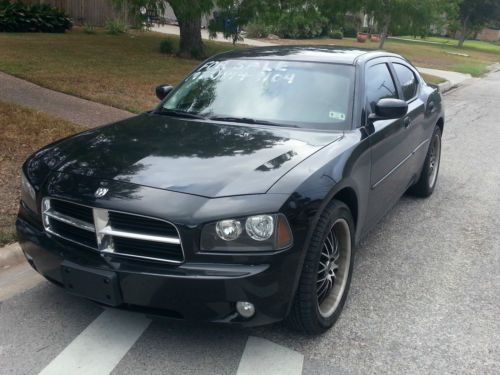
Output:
x=136 y=234
x=70 y=220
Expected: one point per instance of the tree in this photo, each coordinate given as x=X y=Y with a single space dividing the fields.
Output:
x=384 y=12
x=230 y=17
x=474 y=15
x=287 y=18
x=336 y=10
x=423 y=17
x=188 y=14
x=414 y=16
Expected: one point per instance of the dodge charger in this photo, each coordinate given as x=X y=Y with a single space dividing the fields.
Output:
x=242 y=196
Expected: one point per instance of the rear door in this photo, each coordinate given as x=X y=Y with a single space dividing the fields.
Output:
x=391 y=146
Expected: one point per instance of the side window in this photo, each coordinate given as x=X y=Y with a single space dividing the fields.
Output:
x=379 y=84
x=407 y=80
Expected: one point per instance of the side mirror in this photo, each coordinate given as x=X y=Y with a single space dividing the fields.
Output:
x=163 y=90
x=389 y=109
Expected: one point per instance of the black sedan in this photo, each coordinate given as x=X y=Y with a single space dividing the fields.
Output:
x=241 y=197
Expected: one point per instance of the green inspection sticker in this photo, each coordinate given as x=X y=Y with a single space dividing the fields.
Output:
x=337 y=115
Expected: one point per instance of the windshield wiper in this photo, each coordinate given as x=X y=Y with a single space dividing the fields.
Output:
x=248 y=120
x=178 y=113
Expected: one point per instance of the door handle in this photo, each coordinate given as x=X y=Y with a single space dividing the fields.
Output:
x=407 y=122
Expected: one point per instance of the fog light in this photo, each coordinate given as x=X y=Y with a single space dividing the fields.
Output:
x=245 y=309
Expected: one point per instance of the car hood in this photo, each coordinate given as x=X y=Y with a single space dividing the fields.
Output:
x=189 y=156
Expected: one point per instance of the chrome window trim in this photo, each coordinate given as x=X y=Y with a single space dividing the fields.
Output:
x=104 y=231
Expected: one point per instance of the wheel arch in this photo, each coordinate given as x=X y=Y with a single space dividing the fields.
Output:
x=348 y=196
x=440 y=123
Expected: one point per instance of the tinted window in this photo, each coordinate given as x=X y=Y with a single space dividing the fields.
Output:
x=304 y=94
x=407 y=80
x=379 y=84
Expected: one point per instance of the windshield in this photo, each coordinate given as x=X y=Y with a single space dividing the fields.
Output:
x=304 y=94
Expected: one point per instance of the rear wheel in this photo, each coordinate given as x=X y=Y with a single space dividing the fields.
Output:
x=425 y=185
x=327 y=271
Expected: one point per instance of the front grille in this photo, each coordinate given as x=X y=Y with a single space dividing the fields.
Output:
x=141 y=224
x=149 y=249
x=76 y=211
x=73 y=233
x=113 y=233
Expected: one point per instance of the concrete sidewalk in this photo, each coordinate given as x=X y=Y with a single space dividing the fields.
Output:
x=453 y=79
x=79 y=111
x=10 y=255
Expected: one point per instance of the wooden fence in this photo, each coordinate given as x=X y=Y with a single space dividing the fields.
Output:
x=93 y=12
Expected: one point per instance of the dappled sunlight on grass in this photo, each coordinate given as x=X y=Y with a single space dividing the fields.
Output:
x=118 y=70
x=23 y=132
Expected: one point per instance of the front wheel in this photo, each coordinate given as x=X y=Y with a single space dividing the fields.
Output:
x=425 y=185
x=326 y=273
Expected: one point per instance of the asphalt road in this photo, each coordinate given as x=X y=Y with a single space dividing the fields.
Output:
x=425 y=296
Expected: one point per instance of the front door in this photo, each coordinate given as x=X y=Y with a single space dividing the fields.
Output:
x=389 y=141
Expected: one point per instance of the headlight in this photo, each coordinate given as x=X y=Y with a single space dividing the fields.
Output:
x=260 y=227
x=28 y=194
x=228 y=230
x=253 y=233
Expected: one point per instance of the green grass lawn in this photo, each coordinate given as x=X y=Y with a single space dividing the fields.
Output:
x=23 y=132
x=426 y=55
x=432 y=79
x=477 y=45
x=118 y=70
x=123 y=70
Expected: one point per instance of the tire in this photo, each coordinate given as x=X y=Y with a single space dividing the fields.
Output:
x=312 y=313
x=425 y=185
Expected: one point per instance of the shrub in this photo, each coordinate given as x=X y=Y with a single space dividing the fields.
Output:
x=115 y=27
x=89 y=29
x=257 y=30
x=336 y=34
x=18 y=17
x=350 y=31
x=167 y=46
x=197 y=54
x=304 y=25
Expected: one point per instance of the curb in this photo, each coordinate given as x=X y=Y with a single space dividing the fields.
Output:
x=445 y=86
x=11 y=255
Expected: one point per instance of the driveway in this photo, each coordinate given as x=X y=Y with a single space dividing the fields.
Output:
x=424 y=297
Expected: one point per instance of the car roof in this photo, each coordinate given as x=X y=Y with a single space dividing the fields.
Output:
x=317 y=53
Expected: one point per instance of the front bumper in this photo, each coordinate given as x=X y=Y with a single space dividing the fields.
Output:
x=193 y=291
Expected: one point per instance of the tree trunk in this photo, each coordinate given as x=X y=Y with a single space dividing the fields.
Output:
x=463 y=32
x=191 y=43
x=385 y=31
